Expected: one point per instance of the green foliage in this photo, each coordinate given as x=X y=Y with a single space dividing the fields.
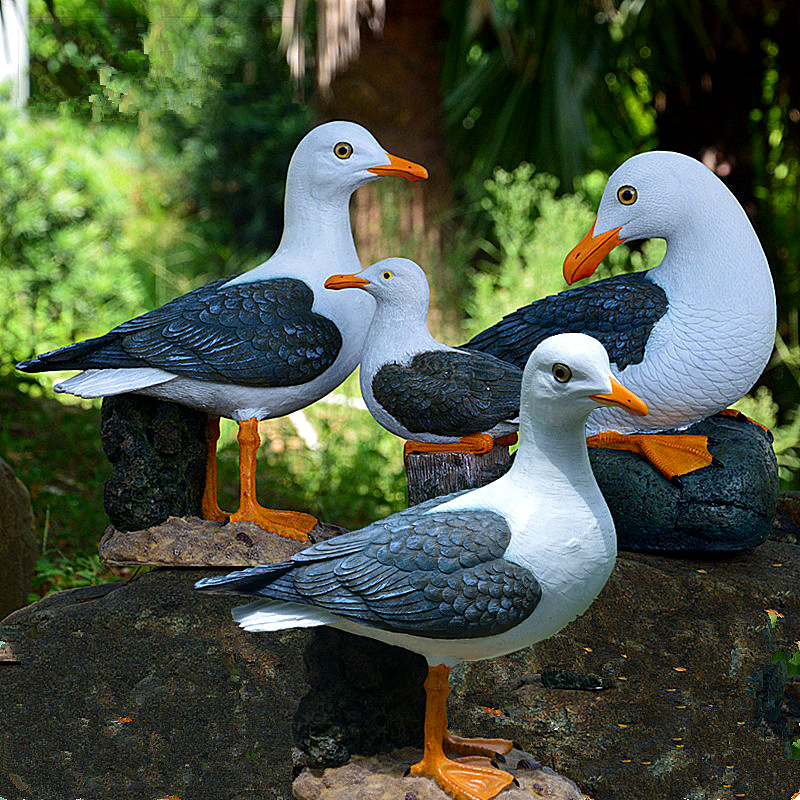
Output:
x=75 y=43
x=532 y=230
x=88 y=233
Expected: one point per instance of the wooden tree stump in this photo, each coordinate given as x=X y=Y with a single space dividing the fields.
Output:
x=434 y=474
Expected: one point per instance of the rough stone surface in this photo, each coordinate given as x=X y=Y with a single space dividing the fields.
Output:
x=158 y=456
x=786 y=527
x=433 y=474
x=365 y=697
x=195 y=542
x=697 y=710
x=714 y=509
x=143 y=690
x=17 y=541
x=381 y=778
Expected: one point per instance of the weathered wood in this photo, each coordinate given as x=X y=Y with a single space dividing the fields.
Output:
x=195 y=542
x=434 y=474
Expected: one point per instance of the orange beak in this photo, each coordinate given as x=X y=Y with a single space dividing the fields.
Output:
x=622 y=397
x=346 y=282
x=401 y=168
x=585 y=257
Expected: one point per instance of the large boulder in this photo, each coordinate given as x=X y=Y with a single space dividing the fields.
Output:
x=726 y=506
x=143 y=690
x=17 y=541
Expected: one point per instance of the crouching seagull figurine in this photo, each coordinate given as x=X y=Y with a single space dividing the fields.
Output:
x=438 y=398
x=692 y=334
x=470 y=575
x=261 y=344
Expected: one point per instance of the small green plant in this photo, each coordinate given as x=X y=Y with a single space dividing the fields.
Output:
x=532 y=230
x=791 y=664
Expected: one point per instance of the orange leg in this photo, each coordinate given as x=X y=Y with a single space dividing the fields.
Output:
x=472 y=443
x=292 y=524
x=670 y=455
x=210 y=507
x=461 y=781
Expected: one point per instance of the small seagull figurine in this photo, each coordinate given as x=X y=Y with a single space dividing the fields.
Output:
x=438 y=398
x=261 y=344
x=692 y=334
x=471 y=575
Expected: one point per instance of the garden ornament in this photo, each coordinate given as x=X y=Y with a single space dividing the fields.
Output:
x=471 y=575
x=261 y=344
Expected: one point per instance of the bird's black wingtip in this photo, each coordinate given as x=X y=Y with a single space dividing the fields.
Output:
x=29 y=366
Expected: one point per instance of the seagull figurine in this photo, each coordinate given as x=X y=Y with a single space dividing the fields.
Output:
x=692 y=334
x=471 y=575
x=438 y=398
x=261 y=344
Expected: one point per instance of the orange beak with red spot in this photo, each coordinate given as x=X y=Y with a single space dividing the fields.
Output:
x=401 y=168
x=586 y=256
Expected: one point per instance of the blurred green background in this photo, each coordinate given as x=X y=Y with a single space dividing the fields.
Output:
x=150 y=157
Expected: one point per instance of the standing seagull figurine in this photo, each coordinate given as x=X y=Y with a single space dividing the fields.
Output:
x=261 y=344
x=438 y=398
x=471 y=575
x=692 y=334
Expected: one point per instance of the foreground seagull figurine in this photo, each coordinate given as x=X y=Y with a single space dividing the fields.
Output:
x=692 y=334
x=471 y=575
x=261 y=344
x=438 y=398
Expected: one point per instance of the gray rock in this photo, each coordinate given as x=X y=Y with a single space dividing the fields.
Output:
x=17 y=541
x=158 y=457
x=382 y=777
x=786 y=527
x=715 y=509
x=698 y=710
x=142 y=690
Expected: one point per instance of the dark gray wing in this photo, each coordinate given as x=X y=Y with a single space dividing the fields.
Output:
x=448 y=392
x=439 y=575
x=260 y=333
x=620 y=312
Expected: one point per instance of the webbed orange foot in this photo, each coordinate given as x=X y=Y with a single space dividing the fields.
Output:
x=475 y=747
x=464 y=781
x=671 y=455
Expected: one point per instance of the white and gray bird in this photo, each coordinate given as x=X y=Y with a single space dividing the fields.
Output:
x=472 y=575
x=261 y=344
x=437 y=397
x=692 y=334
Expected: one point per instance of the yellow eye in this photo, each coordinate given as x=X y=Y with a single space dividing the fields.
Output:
x=387 y=275
x=343 y=150
x=627 y=195
x=561 y=372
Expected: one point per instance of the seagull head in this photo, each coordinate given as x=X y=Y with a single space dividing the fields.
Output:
x=336 y=158
x=398 y=283
x=567 y=377
x=651 y=195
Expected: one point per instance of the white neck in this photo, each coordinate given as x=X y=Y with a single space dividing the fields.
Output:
x=715 y=259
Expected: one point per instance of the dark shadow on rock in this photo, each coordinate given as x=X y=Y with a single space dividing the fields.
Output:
x=158 y=456
x=366 y=697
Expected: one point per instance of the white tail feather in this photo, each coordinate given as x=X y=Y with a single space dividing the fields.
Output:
x=277 y=615
x=104 y=382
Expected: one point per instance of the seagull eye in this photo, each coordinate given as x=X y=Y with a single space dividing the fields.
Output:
x=627 y=195
x=387 y=275
x=343 y=150
x=561 y=372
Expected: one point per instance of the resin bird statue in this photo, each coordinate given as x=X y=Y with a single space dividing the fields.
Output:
x=438 y=398
x=261 y=344
x=471 y=575
x=692 y=334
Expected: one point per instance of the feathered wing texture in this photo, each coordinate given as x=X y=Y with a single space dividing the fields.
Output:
x=262 y=333
x=619 y=311
x=449 y=392
x=436 y=574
